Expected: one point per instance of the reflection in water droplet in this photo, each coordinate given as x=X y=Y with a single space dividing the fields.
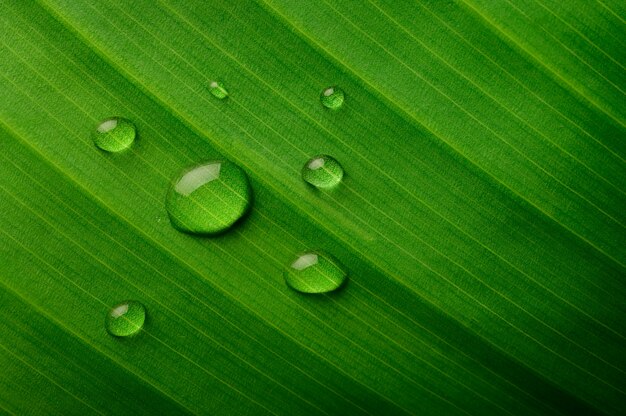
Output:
x=209 y=198
x=125 y=319
x=315 y=272
x=332 y=97
x=218 y=90
x=114 y=134
x=322 y=172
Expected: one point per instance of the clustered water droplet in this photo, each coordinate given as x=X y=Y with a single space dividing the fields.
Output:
x=217 y=89
x=125 y=319
x=315 y=272
x=332 y=97
x=114 y=134
x=209 y=198
x=322 y=172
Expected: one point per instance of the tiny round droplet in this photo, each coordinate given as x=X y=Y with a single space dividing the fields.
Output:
x=114 y=134
x=125 y=319
x=218 y=90
x=322 y=172
x=315 y=272
x=208 y=198
x=332 y=97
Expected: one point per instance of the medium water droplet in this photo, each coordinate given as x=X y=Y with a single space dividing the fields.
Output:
x=209 y=198
x=114 y=134
x=218 y=90
x=322 y=172
x=315 y=272
x=125 y=319
x=332 y=97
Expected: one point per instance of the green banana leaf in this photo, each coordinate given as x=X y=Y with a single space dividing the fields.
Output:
x=481 y=218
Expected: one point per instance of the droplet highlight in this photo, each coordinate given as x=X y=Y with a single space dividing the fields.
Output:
x=209 y=198
x=315 y=272
x=126 y=319
x=322 y=171
x=114 y=134
x=217 y=90
x=332 y=97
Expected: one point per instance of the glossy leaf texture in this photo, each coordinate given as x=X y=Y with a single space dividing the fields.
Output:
x=481 y=217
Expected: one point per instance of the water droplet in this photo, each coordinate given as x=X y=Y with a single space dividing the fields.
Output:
x=322 y=172
x=332 y=97
x=209 y=198
x=125 y=319
x=315 y=272
x=114 y=134
x=218 y=90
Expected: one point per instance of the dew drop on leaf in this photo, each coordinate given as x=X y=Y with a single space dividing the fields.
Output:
x=332 y=97
x=114 y=134
x=125 y=319
x=208 y=198
x=218 y=90
x=315 y=272
x=322 y=171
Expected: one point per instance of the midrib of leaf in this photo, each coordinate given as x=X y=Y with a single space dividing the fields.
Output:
x=169 y=106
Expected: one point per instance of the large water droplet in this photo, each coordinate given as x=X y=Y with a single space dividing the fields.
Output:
x=218 y=90
x=332 y=97
x=322 y=172
x=125 y=319
x=209 y=198
x=315 y=272
x=114 y=134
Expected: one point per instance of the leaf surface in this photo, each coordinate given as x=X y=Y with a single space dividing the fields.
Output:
x=481 y=217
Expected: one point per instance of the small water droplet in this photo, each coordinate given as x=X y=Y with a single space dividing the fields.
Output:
x=114 y=134
x=315 y=272
x=125 y=319
x=218 y=90
x=332 y=97
x=322 y=171
x=209 y=198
